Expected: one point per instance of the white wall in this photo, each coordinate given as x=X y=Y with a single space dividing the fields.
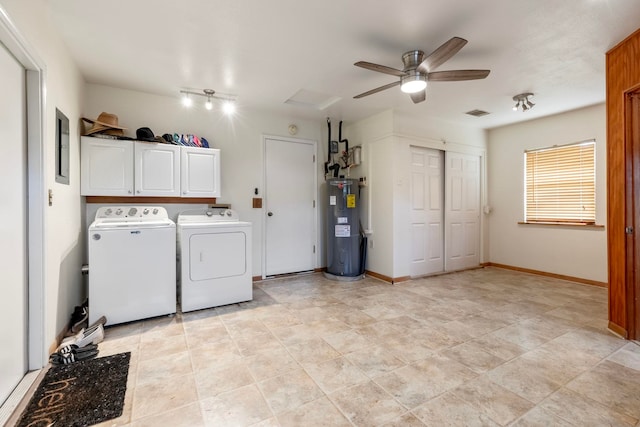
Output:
x=64 y=242
x=386 y=139
x=239 y=139
x=572 y=251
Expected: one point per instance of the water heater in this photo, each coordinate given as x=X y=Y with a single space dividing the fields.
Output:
x=345 y=251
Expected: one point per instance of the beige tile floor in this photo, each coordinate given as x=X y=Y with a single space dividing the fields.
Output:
x=484 y=347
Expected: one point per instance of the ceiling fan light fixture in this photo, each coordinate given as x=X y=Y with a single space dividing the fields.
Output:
x=413 y=83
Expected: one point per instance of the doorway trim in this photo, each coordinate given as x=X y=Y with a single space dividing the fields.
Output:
x=35 y=69
x=314 y=143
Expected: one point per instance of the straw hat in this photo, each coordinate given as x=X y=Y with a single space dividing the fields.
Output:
x=105 y=123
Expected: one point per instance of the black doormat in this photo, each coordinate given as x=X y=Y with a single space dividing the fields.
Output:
x=80 y=394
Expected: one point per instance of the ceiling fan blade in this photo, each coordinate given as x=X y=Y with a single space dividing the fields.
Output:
x=442 y=54
x=457 y=75
x=376 y=90
x=380 y=68
x=418 y=96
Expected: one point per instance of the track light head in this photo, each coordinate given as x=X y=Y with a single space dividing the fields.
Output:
x=186 y=100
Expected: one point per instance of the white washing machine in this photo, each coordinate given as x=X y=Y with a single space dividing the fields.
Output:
x=214 y=249
x=132 y=264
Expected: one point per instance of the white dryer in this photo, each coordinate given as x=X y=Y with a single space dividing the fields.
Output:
x=214 y=266
x=132 y=270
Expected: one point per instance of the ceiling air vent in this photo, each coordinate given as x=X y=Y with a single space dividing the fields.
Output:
x=477 y=113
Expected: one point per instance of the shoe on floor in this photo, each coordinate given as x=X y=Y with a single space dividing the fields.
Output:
x=91 y=335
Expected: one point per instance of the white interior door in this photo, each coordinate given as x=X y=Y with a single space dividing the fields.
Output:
x=462 y=212
x=427 y=234
x=290 y=194
x=13 y=223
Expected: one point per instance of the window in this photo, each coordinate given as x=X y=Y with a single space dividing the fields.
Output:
x=560 y=184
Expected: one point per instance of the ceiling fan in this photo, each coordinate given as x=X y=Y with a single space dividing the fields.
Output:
x=418 y=70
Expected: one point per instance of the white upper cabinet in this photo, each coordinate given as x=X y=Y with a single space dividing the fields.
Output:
x=106 y=167
x=200 y=172
x=157 y=169
x=133 y=168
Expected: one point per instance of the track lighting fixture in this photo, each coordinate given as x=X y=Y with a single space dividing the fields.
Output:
x=228 y=105
x=522 y=101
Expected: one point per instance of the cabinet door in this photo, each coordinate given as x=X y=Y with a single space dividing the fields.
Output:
x=200 y=172
x=157 y=169
x=106 y=167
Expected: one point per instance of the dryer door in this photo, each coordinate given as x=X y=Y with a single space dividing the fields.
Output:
x=217 y=255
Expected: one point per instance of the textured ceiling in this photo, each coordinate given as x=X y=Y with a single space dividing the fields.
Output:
x=267 y=51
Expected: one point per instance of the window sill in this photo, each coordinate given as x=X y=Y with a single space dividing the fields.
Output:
x=563 y=224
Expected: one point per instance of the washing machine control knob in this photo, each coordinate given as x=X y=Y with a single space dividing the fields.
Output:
x=145 y=212
x=228 y=213
x=108 y=212
x=132 y=211
x=155 y=211
x=118 y=211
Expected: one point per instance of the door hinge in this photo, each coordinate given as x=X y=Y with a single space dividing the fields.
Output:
x=314 y=203
x=314 y=249
x=628 y=230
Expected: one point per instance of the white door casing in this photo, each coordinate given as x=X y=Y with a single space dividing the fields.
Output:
x=462 y=211
x=13 y=224
x=426 y=211
x=289 y=209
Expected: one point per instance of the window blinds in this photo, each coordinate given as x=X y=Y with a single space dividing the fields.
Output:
x=560 y=184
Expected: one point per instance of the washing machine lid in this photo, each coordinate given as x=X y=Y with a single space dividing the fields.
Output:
x=130 y=223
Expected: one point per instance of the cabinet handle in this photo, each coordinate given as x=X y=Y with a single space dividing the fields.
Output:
x=130 y=192
x=184 y=192
x=138 y=191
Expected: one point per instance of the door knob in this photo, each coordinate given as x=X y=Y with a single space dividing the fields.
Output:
x=270 y=213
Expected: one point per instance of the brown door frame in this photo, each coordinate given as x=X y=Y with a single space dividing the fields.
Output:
x=632 y=245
